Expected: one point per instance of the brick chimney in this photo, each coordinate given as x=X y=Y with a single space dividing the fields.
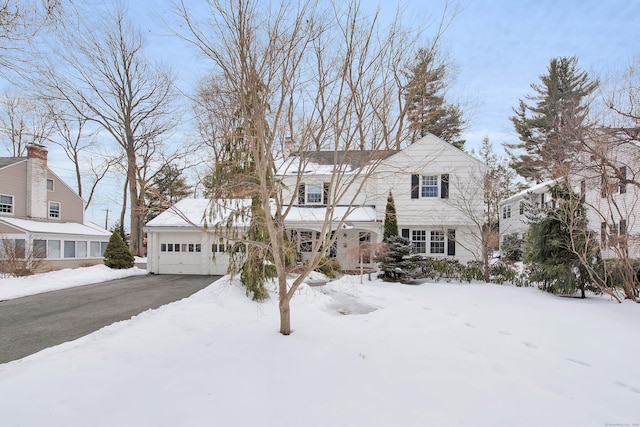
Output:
x=37 y=181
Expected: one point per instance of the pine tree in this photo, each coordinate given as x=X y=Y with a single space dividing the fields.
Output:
x=396 y=267
x=116 y=254
x=556 y=239
x=390 y=219
x=168 y=187
x=551 y=125
x=428 y=112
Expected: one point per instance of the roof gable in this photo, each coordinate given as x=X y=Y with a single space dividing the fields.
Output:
x=439 y=145
x=9 y=161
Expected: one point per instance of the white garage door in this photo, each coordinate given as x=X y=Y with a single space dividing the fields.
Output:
x=181 y=258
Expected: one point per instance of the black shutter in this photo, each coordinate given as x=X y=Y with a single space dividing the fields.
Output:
x=405 y=233
x=415 y=186
x=451 y=242
x=623 y=180
x=444 y=186
x=301 y=198
x=325 y=193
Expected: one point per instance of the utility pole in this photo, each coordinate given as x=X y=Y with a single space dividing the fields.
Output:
x=106 y=220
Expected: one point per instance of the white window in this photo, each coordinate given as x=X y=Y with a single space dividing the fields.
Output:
x=81 y=248
x=94 y=250
x=49 y=185
x=419 y=241
x=506 y=212
x=54 y=209
x=314 y=194
x=429 y=186
x=6 y=204
x=39 y=248
x=437 y=242
x=53 y=249
x=69 y=249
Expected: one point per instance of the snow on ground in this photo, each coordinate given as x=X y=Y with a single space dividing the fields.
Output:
x=371 y=354
x=17 y=287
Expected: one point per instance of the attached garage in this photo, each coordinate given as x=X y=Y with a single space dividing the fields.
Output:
x=180 y=241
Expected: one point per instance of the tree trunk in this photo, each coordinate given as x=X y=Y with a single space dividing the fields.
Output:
x=284 y=300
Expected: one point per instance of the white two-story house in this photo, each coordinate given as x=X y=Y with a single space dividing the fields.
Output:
x=608 y=186
x=437 y=189
x=42 y=218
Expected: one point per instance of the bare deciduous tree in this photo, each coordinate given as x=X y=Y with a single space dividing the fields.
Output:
x=23 y=121
x=102 y=73
x=327 y=74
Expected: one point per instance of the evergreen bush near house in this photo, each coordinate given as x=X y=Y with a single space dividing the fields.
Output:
x=502 y=273
x=396 y=267
x=117 y=254
x=330 y=267
x=390 y=219
x=512 y=248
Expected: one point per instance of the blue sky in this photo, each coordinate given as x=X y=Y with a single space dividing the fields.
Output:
x=499 y=48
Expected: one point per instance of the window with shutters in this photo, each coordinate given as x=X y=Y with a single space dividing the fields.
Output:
x=430 y=186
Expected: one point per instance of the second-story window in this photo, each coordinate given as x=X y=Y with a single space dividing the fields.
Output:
x=6 y=204
x=54 y=209
x=429 y=186
x=506 y=212
x=49 y=185
x=314 y=194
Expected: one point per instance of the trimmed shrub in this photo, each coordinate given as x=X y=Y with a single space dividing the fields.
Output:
x=330 y=267
x=117 y=254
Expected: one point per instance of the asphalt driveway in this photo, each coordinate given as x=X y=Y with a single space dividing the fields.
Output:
x=33 y=323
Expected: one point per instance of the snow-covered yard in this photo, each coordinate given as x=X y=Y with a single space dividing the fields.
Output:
x=371 y=354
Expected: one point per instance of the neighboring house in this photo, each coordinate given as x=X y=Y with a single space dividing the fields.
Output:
x=613 y=204
x=438 y=195
x=515 y=209
x=42 y=218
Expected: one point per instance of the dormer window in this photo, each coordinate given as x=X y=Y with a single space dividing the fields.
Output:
x=49 y=185
x=314 y=194
x=6 y=204
x=54 y=210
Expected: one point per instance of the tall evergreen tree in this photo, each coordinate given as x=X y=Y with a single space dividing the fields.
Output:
x=168 y=187
x=559 y=243
x=390 y=219
x=552 y=122
x=428 y=112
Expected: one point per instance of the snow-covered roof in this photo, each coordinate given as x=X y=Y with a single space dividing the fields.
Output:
x=323 y=162
x=204 y=212
x=199 y=213
x=536 y=189
x=54 y=227
x=310 y=214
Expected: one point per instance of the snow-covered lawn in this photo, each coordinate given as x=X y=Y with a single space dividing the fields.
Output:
x=372 y=354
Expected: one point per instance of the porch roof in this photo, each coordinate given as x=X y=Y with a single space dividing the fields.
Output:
x=306 y=214
x=53 y=227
